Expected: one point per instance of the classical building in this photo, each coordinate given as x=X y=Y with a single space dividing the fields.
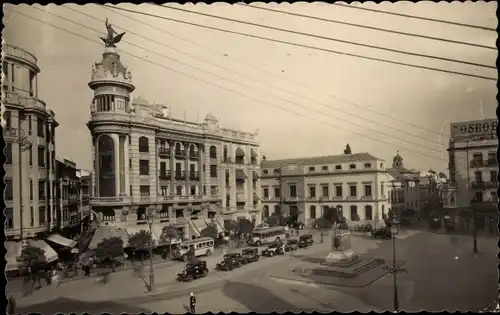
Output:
x=301 y=188
x=473 y=168
x=404 y=187
x=145 y=161
x=29 y=133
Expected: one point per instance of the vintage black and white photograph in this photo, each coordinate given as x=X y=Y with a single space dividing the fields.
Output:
x=250 y=157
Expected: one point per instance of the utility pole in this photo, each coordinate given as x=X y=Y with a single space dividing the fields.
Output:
x=474 y=231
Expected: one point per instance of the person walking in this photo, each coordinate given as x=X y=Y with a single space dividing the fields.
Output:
x=192 y=303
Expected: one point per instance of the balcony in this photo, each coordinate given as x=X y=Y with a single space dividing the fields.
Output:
x=164 y=153
x=165 y=175
x=292 y=199
x=194 y=175
x=477 y=163
x=491 y=162
x=324 y=198
x=11 y=134
x=492 y=184
x=338 y=198
x=366 y=197
x=108 y=200
x=194 y=155
x=352 y=197
x=169 y=197
x=180 y=154
x=180 y=175
x=312 y=198
x=478 y=184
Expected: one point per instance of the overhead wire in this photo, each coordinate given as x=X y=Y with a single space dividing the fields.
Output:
x=417 y=17
x=229 y=90
x=409 y=53
x=307 y=46
x=374 y=28
x=266 y=84
x=407 y=123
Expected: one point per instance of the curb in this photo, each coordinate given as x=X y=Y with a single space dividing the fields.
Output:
x=327 y=284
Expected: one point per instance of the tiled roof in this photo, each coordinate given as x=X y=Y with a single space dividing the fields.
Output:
x=401 y=174
x=329 y=159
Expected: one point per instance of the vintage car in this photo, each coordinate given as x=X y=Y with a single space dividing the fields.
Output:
x=291 y=244
x=297 y=225
x=276 y=248
x=250 y=255
x=229 y=262
x=306 y=240
x=384 y=233
x=194 y=269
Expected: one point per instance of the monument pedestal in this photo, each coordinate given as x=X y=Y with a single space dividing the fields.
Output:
x=341 y=250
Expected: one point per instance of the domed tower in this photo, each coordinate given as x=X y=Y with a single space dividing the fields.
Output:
x=397 y=161
x=112 y=84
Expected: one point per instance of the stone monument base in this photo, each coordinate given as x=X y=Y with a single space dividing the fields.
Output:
x=341 y=257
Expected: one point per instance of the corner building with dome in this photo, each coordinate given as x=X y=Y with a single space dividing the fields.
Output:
x=187 y=174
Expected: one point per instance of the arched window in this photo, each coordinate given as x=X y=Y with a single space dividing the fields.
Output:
x=368 y=213
x=8 y=120
x=239 y=156
x=265 y=211
x=178 y=148
x=213 y=152
x=312 y=212
x=225 y=153
x=143 y=145
x=193 y=150
x=354 y=213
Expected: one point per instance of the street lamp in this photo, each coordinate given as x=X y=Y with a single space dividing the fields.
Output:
x=394 y=269
x=474 y=230
x=322 y=218
x=151 y=269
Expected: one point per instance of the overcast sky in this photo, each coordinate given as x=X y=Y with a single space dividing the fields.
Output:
x=423 y=102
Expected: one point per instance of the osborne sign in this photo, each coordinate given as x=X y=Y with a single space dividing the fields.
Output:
x=474 y=130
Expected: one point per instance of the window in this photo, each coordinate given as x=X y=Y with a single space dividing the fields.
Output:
x=163 y=168
x=41 y=190
x=8 y=189
x=478 y=176
x=31 y=189
x=143 y=145
x=368 y=190
x=130 y=189
x=266 y=193
x=354 y=213
x=8 y=153
x=129 y=140
x=129 y=163
x=164 y=190
x=265 y=172
x=193 y=190
x=277 y=171
x=312 y=212
x=368 y=213
x=352 y=166
x=493 y=176
x=13 y=75
x=311 y=169
x=352 y=191
x=276 y=192
x=324 y=190
x=8 y=120
x=213 y=152
x=144 y=190
x=41 y=215
x=293 y=191
x=5 y=70
x=143 y=167
x=41 y=157
x=338 y=167
x=204 y=168
x=324 y=168
x=178 y=190
x=213 y=171
x=478 y=196
x=9 y=218
x=40 y=128
x=368 y=165
x=277 y=209
x=338 y=190
x=32 y=217
x=312 y=191
x=382 y=192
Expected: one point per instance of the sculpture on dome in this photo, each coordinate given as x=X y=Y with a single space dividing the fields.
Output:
x=111 y=39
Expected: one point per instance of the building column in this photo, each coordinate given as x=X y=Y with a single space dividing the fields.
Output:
x=172 y=167
x=186 y=167
x=200 y=170
x=121 y=163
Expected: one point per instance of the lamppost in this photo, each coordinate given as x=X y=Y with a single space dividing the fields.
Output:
x=151 y=269
x=322 y=215
x=474 y=230
x=394 y=269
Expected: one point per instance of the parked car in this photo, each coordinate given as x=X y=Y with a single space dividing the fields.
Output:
x=384 y=233
x=250 y=255
x=229 y=262
x=297 y=225
x=306 y=240
x=194 y=269
x=291 y=244
x=276 y=248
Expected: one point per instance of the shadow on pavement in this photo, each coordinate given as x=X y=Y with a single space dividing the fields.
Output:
x=257 y=299
x=65 y=305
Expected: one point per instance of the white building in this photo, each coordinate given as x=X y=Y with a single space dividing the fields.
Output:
x=473 y=168
x=302 y=187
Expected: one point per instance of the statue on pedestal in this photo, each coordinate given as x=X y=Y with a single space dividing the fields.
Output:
x=111 y=40
x=341 y=248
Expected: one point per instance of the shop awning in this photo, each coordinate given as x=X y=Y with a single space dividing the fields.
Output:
x=61 y=240
x=240 y=175
x=50 y=253
x=103 y=232
x=13 y=251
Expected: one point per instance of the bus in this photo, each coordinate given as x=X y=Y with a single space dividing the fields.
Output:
x=203 y=246
x=268 y=235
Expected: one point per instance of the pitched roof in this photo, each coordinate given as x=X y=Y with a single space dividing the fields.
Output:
x=329 y=159
x=401 y=174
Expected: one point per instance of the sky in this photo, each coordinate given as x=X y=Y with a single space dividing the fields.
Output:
x=302 y=101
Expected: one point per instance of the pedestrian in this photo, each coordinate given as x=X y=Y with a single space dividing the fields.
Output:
x=55 y=278
x=11 y=306
x=192 y=303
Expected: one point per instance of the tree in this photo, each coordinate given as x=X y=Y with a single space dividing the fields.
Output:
x=347 y=149
x=31 y=257
x=139 y=241
x=168 y=233
x=442 y=175
x=109 y=249
x=273 y=220
x=230 y=225
x=245 y=226
x=332 y=215
x=210 y=231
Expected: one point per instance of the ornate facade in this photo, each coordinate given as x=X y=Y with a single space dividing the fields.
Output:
x=145 y=161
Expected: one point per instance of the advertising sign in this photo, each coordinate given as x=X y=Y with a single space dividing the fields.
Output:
x=474 y=130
